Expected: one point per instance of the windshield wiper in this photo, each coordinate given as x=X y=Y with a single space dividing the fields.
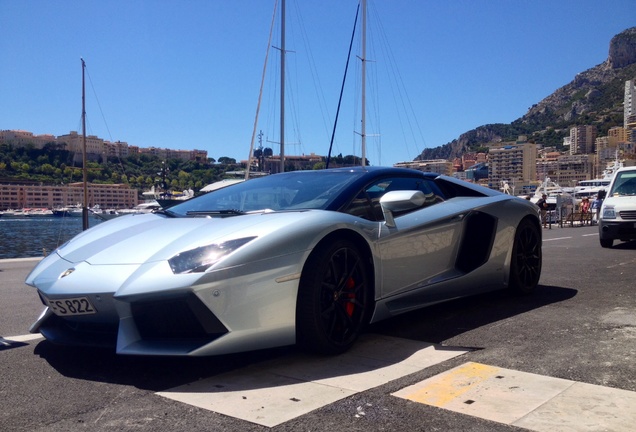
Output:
x=229 y=212
x=165 y=212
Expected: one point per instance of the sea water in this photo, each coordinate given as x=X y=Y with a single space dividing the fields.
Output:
x=37 y=236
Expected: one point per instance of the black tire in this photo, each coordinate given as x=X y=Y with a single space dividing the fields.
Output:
x=606 y=243
x=334 y=298
x=525 y=266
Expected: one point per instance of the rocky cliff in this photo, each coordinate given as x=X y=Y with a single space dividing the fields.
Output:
x=594 y=96
x=622 y=50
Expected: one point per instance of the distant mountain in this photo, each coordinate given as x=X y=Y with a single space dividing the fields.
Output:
x=593 y=97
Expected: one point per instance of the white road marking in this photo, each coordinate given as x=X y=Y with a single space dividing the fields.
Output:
x=275 y=392
x=557 y=238
x=530 y=401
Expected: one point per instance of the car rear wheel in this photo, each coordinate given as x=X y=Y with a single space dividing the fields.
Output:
x=334 y=298
x=525 y=268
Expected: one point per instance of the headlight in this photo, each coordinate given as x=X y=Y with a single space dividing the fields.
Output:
x=609 y=212
x=200 y=259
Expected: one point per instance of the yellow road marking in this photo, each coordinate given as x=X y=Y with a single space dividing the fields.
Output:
x=453 y=385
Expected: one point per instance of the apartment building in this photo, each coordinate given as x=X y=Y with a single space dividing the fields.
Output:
x=513 y=163
x=272 y=164
x=14 y=196
x=547 y=165
x=97 y=149
x=582 y=139
x=440 y=166
x=629 y=103
x=75 y=144
x=573 y=168
x=21 y=138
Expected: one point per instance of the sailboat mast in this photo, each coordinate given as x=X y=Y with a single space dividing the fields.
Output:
x=84 y=172
x=282 y=87
x=363 y=132
x=260 y=95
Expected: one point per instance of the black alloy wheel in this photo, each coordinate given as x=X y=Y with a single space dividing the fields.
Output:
x=334 y=298
x=525 y=268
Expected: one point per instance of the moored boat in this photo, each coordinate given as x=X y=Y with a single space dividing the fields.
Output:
x=146 y=207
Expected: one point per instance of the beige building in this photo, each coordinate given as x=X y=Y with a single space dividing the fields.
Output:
x=513 y=163
x=617 y=135
x=547 y=165
x=582 y=139
x=440 y=166
x=14 y=196
x=20 y=138
x=118 y=149
x=75 y=144
x=303 y=162
x=629 y=103
x=574 y=168
x=97 y=149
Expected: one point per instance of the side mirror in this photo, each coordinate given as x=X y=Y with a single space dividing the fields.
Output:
x=400 y=201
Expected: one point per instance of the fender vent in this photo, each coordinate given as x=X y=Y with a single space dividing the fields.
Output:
x=479 y=234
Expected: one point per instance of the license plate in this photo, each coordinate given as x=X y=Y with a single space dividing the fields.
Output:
x=71 y=306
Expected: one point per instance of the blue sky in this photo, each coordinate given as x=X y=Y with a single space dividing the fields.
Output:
x=186 y=74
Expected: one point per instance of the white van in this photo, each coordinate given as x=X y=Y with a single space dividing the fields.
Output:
x=618 y=213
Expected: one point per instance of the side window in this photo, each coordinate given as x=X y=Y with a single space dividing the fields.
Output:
x=367 y=203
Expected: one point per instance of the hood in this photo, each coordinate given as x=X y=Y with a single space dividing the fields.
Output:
x=138 y=239
x=620 y=203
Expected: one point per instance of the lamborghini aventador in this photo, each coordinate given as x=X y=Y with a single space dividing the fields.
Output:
x=305 y=257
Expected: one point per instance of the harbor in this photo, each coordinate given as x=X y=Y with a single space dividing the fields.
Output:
x=24 y=237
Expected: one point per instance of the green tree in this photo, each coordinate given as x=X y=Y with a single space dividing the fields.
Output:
x=227 y=160
x=47 y=168
x=183 y=179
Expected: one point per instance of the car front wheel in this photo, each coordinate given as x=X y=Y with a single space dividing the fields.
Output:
x=606 y=243
x=525 y=268
x=334 y=298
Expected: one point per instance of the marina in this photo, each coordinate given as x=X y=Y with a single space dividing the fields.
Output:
x=24 y=237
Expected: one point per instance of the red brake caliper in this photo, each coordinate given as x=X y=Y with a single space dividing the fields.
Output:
x=350 y=285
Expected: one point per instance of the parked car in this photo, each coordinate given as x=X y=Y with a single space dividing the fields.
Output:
x=618 y=212
x=306 y=257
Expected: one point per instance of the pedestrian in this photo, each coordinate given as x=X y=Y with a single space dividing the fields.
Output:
x=585 y=205
x=543 y=207
x=597 y=204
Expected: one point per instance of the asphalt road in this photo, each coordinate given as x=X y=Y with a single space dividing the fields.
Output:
x=580 y=325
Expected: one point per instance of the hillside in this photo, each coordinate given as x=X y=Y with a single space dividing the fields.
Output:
x=594 y=97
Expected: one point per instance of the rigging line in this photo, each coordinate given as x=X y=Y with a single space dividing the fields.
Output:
x=271 y=109
x=98 y=104
x=374 y=102
x=404 y=95
x=292 y=90
x=344 y=78
x=260 y=94
x=320 y=94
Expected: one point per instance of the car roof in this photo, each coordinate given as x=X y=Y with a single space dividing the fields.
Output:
x=375 y=171
x=369 y=174
x=629 y=168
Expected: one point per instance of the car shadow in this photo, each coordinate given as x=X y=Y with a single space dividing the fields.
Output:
x=444 y=321
x=630 y=245
x=145 y=372
x=427 y=326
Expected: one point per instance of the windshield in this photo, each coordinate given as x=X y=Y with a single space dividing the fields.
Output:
x=296 y=190
x=624 y=184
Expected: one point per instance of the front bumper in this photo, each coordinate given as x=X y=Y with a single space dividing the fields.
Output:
x=617 y=230
x=174 y=324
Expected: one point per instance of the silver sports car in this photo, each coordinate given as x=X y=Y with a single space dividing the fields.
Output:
x=306 y=257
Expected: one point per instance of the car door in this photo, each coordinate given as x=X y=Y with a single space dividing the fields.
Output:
x=422 y=247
